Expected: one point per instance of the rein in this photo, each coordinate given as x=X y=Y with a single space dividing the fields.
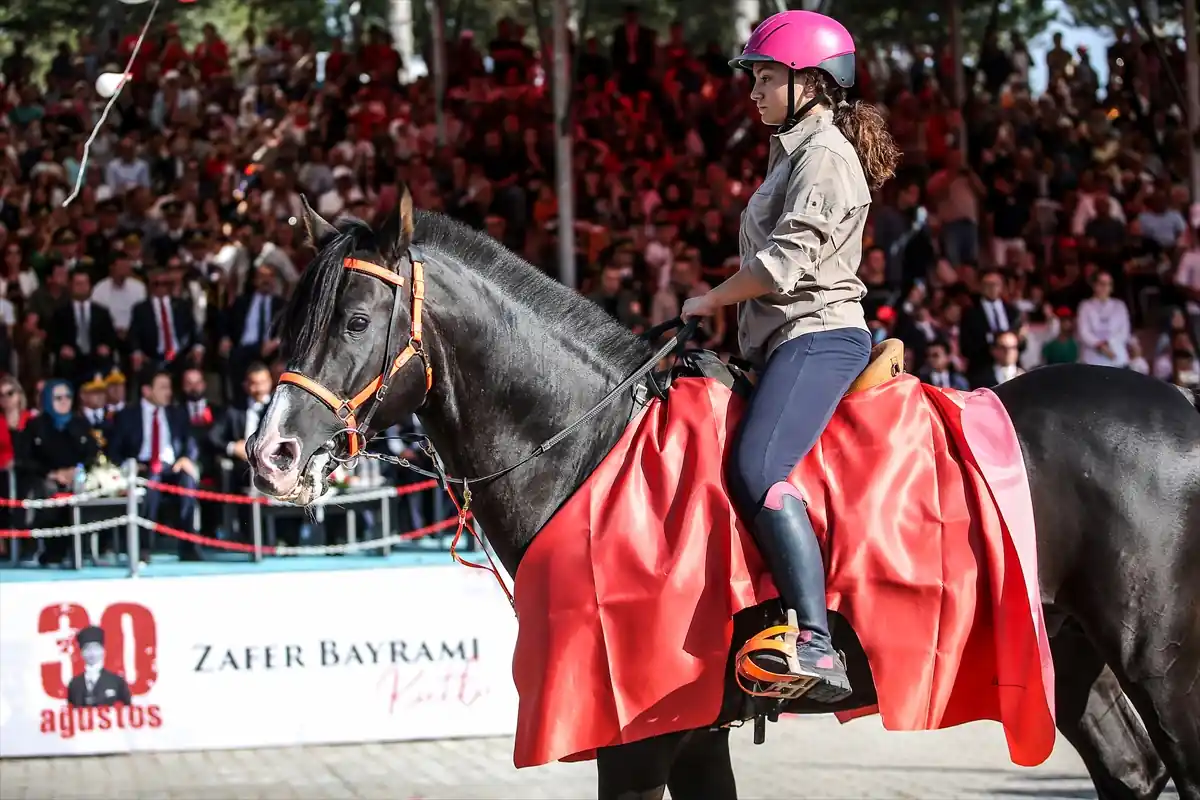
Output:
x=346 y=409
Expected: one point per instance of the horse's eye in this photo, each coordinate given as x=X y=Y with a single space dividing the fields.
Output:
x=357 y=324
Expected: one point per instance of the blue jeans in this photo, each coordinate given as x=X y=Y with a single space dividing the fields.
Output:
x=796 y=395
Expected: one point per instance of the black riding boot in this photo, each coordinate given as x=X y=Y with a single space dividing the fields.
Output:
x=786 y=539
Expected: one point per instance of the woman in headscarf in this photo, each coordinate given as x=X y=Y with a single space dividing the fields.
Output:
x=50 y=448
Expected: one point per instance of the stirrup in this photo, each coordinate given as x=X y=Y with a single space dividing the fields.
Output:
x=779 y=639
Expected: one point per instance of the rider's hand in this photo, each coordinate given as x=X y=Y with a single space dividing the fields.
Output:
x=702 y=306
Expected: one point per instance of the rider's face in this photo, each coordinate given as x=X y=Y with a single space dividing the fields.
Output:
x=770 y=92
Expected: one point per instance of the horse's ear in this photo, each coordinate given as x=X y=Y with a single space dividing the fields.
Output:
x=400 y=224
x=317 y=230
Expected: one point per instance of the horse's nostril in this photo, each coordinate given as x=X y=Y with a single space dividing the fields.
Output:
x=284 y=456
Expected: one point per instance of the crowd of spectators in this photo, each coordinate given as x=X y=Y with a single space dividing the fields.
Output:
x=135 y=322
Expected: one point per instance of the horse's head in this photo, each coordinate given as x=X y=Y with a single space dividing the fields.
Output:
x=351 y=335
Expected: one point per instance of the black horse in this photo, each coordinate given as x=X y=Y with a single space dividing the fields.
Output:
x=505 y=357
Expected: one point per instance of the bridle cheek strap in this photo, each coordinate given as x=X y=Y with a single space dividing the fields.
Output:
x=347 y=410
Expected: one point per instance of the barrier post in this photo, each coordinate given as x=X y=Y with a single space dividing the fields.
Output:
x=132 y=544
x=14 y=513
x=256 y=522
x=76 y=519
x=385 y=524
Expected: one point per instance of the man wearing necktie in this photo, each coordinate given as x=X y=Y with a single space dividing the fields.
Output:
x=988 y=317
x=82 y=335
x=229 y=433
x=93 y=397
x=201 y=417
x=163 y=329
x=246 y=333
x=157 y=434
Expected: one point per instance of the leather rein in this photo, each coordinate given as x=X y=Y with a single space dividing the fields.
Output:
x=346 y=409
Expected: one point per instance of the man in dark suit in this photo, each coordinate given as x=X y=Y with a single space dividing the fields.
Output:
x=633 y=53
x=93 y=397
x=202 y=416
x=159 y=437
x=95 y=686
x=81 y=334
x=986 y=318
x=163 y=331
x=100 y=244
x=237 y=422
x=168 y=242
x=938 y=371
x=246 y=335
x=1005 y=352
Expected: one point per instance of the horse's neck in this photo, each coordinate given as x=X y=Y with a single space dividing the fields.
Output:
x=503 y=386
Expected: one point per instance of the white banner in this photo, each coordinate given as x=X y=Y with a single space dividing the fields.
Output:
x=105 y=666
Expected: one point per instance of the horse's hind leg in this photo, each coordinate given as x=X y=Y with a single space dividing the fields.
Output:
x=703 y=769
x=1162 y=679
x=1094 y=716
x=638 y=770
x=1152 y=642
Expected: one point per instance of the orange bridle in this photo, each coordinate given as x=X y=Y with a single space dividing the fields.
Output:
x=347 y=410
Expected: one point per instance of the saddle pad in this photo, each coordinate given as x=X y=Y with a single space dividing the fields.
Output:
x=626 y=598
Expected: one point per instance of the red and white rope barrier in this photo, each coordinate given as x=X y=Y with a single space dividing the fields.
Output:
x=64 y=530
x=65 y=499
x=143 y=485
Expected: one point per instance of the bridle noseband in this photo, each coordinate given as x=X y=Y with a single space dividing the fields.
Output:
x=346 y=410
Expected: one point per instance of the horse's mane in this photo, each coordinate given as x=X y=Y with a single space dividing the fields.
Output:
x=306 y=319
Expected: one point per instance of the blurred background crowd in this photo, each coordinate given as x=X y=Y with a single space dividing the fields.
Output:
x=1023 y=229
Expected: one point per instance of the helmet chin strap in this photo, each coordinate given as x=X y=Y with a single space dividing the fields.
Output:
x=794 y=116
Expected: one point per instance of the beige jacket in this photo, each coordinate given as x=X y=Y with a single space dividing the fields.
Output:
x=802 y=234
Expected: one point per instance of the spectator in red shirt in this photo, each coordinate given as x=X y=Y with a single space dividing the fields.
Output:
x=212 y=56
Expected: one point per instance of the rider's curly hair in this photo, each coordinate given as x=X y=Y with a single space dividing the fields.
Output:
x=863 y=125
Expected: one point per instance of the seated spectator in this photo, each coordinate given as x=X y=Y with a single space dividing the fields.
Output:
x=246 y=329
x=1062 y=349
x=1164 y=362
x=116 y=393
x=1162 y=225
x=1185 y=369
x=163 y=329
x=938 y=371
x=613 y=297
x=49 y=451
x=236 y=423
x=1187 y=276
x=157 y=435
x=82 y=336
x=1103 y=326
x=229 y=433
x=120 y=292
x=92 y=406
x=986 y=318
x=1005 y=353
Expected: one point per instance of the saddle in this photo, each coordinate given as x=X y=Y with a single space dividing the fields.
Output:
x=885 y=363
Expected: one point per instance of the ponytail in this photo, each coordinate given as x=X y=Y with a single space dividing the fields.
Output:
x=864 y=127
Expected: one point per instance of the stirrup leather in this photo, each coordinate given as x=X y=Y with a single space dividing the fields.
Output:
x=780 y=639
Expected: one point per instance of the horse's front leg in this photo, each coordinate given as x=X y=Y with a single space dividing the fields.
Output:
x=638 y=770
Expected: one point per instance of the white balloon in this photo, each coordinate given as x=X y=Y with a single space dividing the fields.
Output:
x=109 y=82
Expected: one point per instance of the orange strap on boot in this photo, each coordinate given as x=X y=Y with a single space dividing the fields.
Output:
x=779 y=684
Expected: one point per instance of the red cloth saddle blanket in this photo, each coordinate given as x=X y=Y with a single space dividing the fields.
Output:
x=625 y=599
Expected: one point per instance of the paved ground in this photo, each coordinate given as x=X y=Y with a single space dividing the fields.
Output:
x=858 y=760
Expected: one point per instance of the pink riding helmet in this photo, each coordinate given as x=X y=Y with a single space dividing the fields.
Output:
x=802 y=40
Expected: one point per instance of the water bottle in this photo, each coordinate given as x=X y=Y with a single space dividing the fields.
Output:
x=80 y=479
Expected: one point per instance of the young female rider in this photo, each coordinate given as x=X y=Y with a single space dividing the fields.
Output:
x=800 y=314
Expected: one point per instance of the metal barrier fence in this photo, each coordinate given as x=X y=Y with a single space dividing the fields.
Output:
x=131 y=489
